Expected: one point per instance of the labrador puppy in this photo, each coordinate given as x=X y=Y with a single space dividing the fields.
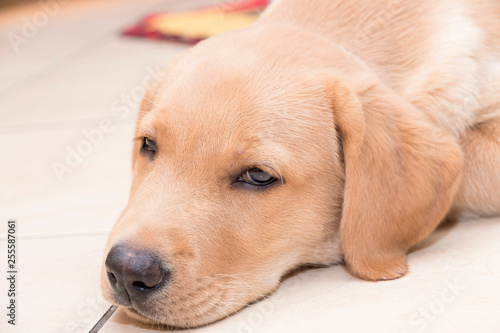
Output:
x=330 y=131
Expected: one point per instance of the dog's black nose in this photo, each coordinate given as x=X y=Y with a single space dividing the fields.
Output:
x=134 y=273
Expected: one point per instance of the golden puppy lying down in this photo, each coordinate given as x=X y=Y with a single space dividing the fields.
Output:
x=330 y=131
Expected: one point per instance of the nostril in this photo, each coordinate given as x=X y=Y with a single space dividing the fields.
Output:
x=148 y=285
x=141 y=285
x=111 y=278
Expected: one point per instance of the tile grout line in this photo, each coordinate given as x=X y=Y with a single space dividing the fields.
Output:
x=76 y=233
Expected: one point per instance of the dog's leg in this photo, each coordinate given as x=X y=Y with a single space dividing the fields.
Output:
x=479 y=194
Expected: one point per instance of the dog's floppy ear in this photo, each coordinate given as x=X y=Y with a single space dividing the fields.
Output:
x=402 y=173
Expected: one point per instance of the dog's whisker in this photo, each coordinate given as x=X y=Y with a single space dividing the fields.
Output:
x=249 y=286
x=214 y=305
x=201 y=312
x=255 y=293
x=232 y=275
x=231 y=285
x=218 y=301
x=239 y=294
x=234 y=302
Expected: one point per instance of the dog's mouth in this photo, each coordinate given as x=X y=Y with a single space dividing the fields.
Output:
x=206 y=301
x=140 y=316
x=169 y=318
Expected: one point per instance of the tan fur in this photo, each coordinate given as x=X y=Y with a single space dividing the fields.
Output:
x=380 y=117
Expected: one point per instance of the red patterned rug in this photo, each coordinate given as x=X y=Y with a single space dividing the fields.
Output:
x=192 y=26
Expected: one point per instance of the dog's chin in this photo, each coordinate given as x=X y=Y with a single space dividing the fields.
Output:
x=145 y=320
x=154 y=321
x=141 y=318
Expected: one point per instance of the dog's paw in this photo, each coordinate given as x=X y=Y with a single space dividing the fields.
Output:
x=376 y=269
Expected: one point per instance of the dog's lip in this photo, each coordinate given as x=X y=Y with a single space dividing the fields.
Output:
x=120 y=301
x=132 y=309
x=135 y=311
x=144 y=317
x=138 y=316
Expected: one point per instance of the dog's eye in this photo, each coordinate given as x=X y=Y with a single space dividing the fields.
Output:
x=148 y=145
x=257 y=177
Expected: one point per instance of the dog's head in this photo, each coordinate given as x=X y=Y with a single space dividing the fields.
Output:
x=253 y=156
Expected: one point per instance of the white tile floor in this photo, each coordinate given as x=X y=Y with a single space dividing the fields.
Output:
x=63 y=83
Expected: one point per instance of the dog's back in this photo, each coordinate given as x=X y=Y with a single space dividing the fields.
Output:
x=441 y=55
